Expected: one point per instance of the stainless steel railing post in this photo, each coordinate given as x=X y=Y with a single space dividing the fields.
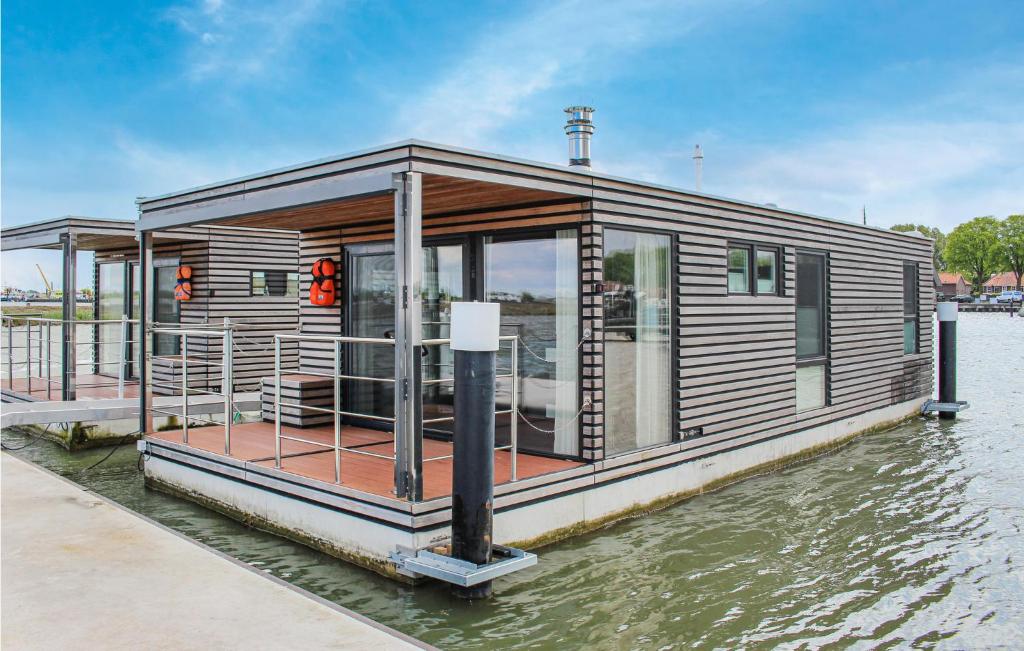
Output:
x=514 y=404
x=122 y=357
x=28 y=355
x=40 y=351
x=49 y=364
x=277 y=402
x=184 y=388
x=337 y=412
x=228 y=386
x=10 y=353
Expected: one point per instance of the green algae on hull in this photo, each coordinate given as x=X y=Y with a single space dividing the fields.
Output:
x=646 y=508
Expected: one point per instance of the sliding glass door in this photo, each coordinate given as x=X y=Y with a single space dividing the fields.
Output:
x=536 y=281
x=535 y=278
x=637 y=341
x=110 y=295
x=371 y=310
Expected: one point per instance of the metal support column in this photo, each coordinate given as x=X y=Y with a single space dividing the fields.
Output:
x=10 y=354
x=69 y=252
x=49 y=362
x=228 y=383
x=123 y=356
x=145 y=340
x=408 y=334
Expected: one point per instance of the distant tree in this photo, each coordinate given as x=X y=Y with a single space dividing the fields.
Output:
x=1011 y=241
x=973 y=249
x=87 y=293
x=933 y=233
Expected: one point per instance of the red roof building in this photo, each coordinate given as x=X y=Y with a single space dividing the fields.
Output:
x=1001 y=282
x=953 y=285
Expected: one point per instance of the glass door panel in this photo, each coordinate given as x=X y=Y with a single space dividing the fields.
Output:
x=536 y=281
x=166 y=309
x=136 y=310
x=442 y=284
x=372 y=314
x=110 y=294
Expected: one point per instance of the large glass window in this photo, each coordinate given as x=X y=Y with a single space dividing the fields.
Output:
x=811 y=355
x=536 y=281
x=637 y=349
x=910 y=312
x=111 y=298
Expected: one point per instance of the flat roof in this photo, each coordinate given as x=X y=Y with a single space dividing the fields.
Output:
x=583 y=179
x=93 y=233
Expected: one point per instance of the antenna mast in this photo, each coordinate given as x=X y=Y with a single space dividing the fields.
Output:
x=698 y=165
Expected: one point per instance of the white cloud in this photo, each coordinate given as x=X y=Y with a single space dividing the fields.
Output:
x=561 y=44
x=242 y=40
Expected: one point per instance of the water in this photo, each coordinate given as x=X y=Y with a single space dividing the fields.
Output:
x=910 y=537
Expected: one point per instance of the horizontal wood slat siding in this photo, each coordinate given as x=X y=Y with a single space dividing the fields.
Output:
x=221 y=261
x=318 y=357
x=736 y=355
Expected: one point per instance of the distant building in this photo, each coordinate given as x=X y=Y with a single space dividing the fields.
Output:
x=1001 y=282
x=953 y=285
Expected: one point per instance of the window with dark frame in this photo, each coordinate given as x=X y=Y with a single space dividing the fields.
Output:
x=753 y=269
x=911 y=324
x=274 y=283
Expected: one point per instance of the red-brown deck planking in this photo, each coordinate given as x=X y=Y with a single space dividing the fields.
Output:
x=255 y=442
x=87 y=387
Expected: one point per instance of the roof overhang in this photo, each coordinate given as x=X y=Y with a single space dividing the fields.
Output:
x=359 y=187
x=91 y=234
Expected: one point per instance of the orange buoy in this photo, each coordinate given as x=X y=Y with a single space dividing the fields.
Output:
x=322 y=292
x=183 y=284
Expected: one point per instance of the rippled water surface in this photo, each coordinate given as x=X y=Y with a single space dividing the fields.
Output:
x=905 y=537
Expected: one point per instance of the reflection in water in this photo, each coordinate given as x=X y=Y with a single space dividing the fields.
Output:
x=910 y=536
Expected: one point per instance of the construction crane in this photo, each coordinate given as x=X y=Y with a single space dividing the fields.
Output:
x=49 y=285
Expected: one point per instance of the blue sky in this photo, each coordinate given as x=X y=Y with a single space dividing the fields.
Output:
x=910 y=108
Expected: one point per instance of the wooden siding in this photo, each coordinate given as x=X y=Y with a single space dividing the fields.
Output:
x=221 y=261
x=736 y=367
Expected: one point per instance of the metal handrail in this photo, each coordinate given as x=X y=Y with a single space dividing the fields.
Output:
x=337 y=377
x=44 y=353
x=224 y=333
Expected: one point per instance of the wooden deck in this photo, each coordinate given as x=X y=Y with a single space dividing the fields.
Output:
x=88 y=386
x=254 y=442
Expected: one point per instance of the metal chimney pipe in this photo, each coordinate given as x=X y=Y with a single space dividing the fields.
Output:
x=579 y=127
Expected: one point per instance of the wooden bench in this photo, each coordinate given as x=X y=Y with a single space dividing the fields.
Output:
x=299 y=389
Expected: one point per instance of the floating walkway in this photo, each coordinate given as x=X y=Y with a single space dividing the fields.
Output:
x=108 y=578
x=72 y=411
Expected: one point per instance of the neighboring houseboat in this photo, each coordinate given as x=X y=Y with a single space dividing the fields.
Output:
x=85 y=371
x=660 y=341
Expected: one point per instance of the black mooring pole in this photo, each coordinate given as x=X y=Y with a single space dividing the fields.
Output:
x=947 y=357
x=473 y=440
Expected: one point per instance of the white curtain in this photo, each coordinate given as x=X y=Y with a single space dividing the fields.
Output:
x=652 y=394
x=566 y=338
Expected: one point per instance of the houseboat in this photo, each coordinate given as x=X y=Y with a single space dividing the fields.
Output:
x=656 y=342
x=84 y=372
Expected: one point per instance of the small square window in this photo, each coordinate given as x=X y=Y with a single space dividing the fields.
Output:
x=739 y=270
x=274 y=283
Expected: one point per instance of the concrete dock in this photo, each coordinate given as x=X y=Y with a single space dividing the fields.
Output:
x=80 y=572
